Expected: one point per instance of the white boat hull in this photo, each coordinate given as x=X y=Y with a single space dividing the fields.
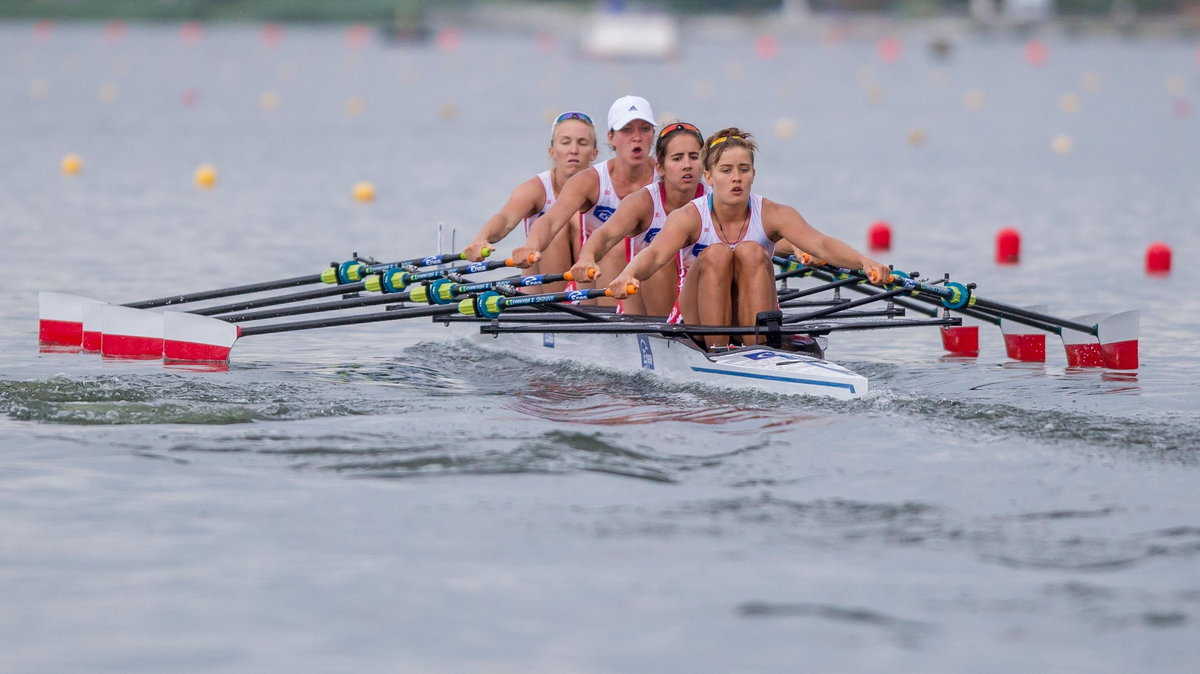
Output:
x=758 y=368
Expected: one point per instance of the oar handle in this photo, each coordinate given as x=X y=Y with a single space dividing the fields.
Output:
x=397 y=280
x=352 y=271
x=491 y=304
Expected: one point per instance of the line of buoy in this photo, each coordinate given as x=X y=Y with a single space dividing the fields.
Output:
x=879 y=236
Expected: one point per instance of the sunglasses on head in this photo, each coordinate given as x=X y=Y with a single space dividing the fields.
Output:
x=574 y=115
x=680 y=126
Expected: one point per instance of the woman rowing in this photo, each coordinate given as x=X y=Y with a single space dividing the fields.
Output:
x=597 y=193
x=572 y=149
x=641 y=215
x=728 y=236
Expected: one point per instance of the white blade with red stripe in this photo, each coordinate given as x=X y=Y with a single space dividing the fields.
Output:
x=1022 y=342
x=1119 y=340
x=191 y=337
x=130 y=333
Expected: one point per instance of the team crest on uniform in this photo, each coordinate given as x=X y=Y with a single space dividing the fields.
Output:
x=647 y=354
x=698 y=248
x=603 y=213
x=651 y=233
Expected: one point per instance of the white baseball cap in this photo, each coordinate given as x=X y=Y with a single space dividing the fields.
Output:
x=628 y=108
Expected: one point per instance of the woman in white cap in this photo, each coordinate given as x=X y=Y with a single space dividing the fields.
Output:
x=642 y=214
x=728 y=237
x=572 y=149
x=597 y=193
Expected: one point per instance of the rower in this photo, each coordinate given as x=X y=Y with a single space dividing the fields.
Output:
x=572 y=150
x=641 y=215
x=728 y=237
x=597 y=193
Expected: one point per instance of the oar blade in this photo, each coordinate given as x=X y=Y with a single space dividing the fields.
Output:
x=1119 y=340
x=130 y=333
x=60 y=318
x=93 y=325
x=190 y=337
x=1083 y=349
x=1022 y=342
x=961 y=340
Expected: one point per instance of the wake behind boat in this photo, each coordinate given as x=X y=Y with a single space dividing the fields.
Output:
x=782 y=353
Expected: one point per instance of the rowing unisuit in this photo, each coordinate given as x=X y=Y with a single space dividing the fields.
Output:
x=607 y=200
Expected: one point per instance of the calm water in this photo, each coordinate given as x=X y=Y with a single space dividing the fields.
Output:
x=372 y=499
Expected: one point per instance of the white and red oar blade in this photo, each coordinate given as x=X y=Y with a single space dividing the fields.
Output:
x=93 y=323
x=188 y=337
x=130 y=333
x=60 y=318
x=1022 y=342
x=1083 y=348
x=1119 y=340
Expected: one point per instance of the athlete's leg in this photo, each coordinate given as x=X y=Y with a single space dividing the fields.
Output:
x=706 y=297
x=754 y=283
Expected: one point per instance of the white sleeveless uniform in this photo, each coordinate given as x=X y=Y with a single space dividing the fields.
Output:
x=548 y=185
x=606 y=201
x=709 y=237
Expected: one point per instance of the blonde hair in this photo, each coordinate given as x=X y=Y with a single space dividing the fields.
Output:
x=724 y=139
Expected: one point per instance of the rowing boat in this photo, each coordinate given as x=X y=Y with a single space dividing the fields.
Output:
x=782 y=353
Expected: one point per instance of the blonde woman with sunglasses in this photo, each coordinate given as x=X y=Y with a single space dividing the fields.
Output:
x=572 y=150
x=641 y=215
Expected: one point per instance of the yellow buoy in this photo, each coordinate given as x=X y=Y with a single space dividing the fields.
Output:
x=206 y=176
x=355 y=106
x=364 y=192
x=973 y=99
x=38 y=89
x=1069 y=103
x=448 y=111
x=785 y=127
x=71 y=165
x=916 y=137
x=1061 y=144
x=269 y=101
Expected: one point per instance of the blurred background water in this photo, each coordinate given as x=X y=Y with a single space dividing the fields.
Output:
x=384 y=498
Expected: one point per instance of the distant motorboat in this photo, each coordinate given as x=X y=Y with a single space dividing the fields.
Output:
x=630 y=35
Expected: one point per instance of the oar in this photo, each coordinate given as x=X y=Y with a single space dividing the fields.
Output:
x=1116 y=335
x=350 y=271
x=185 y=336
x=797 y=268
x=424 y=294
x=62 y=317
x=387 y=282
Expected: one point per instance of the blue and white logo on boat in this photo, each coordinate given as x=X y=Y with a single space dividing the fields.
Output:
x=548 y=340
x=647 y=354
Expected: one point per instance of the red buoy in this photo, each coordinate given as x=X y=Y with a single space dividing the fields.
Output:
x=879 y=236
x=1158 y=259
x=1008 y=246
x=766 y=47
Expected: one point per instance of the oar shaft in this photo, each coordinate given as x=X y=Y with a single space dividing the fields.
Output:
x=347 y=320
x=357 y=302
x=227 y=292
x=246 y=305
